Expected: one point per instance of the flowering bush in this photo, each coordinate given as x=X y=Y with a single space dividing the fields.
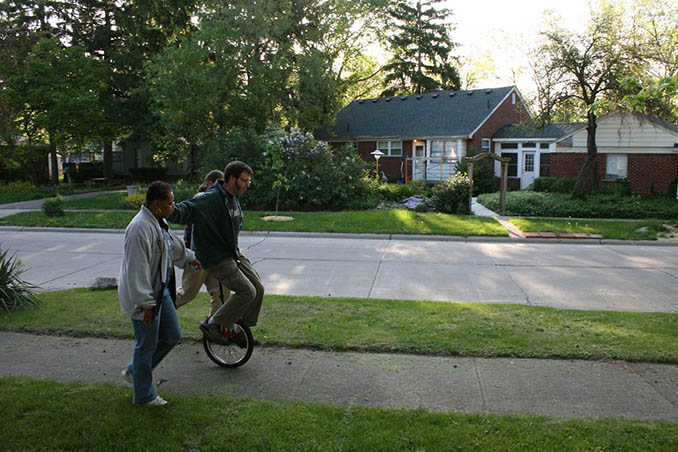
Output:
x=311 y=174
x=294 y=171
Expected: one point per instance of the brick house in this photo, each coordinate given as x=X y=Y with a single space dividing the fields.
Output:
x=423 y=136
x=639 y=149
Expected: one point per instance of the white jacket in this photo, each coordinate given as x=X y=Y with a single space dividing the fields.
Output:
x=143 y=269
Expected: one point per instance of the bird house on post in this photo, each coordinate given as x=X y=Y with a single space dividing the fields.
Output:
x=504 y=177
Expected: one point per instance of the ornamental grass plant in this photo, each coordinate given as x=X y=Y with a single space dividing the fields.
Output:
x=14 y=291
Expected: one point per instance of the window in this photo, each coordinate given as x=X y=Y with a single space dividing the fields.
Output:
x=530 y=145
x=513 y=164
x=444 y=149
x=544 y=165
x=390 y=148
x=487 y=143
x=616 y=166
x=117 y=156
x=509 y=145
x=544 y=146
x=528 y=165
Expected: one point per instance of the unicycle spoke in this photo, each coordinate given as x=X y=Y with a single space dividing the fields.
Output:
x=230 y=355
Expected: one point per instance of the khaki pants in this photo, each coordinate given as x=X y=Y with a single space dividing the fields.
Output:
x=248 y=292
x=192 y=281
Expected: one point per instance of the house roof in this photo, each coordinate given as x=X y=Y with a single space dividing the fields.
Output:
x=547 y=131
x=435 y=114
x=658 y=121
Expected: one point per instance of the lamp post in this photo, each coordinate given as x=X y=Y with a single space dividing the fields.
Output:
x=377 y=154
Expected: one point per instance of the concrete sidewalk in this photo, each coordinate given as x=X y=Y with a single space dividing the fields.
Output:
x=555 y=388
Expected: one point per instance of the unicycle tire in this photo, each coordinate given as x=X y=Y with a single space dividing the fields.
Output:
x=231 y=355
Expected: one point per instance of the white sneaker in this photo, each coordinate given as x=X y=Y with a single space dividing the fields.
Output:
x=127 y=376
x=158 y=401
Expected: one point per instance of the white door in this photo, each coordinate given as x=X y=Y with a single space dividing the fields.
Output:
x=529 y=169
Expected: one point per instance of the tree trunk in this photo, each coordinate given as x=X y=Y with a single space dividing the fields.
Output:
x=590 y=164
x=54 y=164
x=108 y=159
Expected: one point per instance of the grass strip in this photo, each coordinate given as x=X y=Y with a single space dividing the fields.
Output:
x=626 y=230
x=368 y=221
x=104 y=220
x=102 y=418
x=418 y=327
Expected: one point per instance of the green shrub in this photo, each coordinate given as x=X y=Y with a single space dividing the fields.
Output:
x=134 y=202
x=53 y=207
x=553 y=184
x=399 y=192
x=421 y=208
x=484 y=180
x=15 y=187
x=596 y=205
x=14 y=291
x=452 y=195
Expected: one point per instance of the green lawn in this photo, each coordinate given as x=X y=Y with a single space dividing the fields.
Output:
x=628 y=230
x=427 y=328
x=367 y=221
x=102 y=418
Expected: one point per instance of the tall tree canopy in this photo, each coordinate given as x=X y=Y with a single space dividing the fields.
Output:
x=422 y=49
x=254 y=64
x=583 y=69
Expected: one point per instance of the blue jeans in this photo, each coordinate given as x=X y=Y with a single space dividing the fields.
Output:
x=153 y=343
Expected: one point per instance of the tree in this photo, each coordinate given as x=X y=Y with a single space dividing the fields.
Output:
x=584 y=67
x=654 y=44
x=60 y=87
x=421 y=48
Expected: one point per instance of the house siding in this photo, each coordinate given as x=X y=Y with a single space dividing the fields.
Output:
x=507 y=113
x=621 y=130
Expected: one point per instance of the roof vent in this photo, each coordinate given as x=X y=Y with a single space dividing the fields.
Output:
x=361 y=101
x=388 y=99
x=403 y=98
x=419 y=97
x=469 y=93
x=435 y=95
x=453 y=94
x=374 y=101
x=488 y=91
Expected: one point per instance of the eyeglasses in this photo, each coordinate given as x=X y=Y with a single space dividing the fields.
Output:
x=247 y=181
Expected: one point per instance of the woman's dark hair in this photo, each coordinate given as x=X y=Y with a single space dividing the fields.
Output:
x=235 y=169
x=213 y=175
x=158 y=190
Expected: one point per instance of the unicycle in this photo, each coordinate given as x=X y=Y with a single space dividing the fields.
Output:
x=230 y=355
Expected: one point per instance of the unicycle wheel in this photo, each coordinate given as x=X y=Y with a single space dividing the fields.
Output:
x=231 y=355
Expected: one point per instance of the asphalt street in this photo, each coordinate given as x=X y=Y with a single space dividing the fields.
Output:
x=622 y=277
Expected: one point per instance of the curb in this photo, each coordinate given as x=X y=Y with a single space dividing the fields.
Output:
x=341 y=235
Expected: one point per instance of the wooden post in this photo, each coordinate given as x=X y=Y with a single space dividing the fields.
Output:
x=470 y=176
x=502 y=192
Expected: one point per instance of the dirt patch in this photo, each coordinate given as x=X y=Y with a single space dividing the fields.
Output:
x=277 y=218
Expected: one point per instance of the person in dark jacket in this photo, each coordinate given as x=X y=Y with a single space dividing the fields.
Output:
x=217 y=219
